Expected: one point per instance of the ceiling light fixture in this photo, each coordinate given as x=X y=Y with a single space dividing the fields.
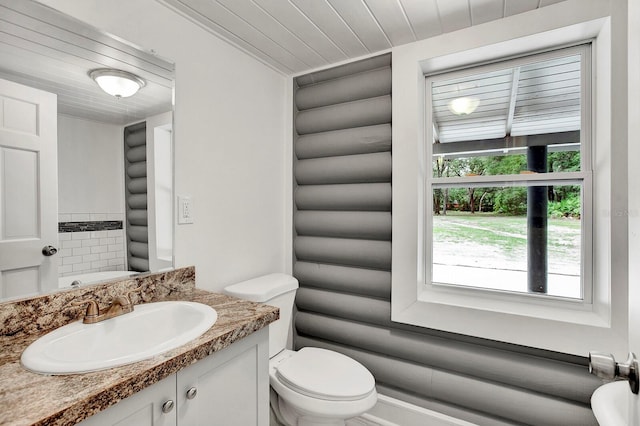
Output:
x=120 y=84
x=463 y=106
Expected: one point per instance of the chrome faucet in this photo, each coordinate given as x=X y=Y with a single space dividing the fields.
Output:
x=119 y=306
x=605 y=366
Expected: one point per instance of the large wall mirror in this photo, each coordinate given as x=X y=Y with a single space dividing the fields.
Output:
x=86 y=178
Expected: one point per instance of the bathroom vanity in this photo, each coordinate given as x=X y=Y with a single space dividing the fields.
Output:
x=221 y=376
x=226 y=388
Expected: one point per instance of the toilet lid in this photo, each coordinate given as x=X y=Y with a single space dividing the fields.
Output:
x=325 y=374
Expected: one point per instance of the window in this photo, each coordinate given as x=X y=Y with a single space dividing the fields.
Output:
x=578 y=300
x=508 y=198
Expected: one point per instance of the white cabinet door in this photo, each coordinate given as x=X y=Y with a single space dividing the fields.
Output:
x=28 y=189
x=232 y=386
x=141 y=409
x=227 y=388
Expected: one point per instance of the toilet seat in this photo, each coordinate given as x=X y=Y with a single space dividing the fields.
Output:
x=312 y=396
x=325 y=375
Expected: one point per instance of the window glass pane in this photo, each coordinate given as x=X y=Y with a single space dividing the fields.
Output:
x=505 y=110
x=511 y=164
x=517 y=239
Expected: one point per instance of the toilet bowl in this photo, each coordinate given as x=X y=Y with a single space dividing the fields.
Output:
x=311 y=386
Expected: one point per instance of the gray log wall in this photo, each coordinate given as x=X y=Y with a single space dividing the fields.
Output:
x=135 y=164
x=342 y=259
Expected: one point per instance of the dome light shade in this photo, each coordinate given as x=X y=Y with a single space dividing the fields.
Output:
x=120 y=84
x=463 y=106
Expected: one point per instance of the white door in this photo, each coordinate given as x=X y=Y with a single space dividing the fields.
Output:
x=28 y=190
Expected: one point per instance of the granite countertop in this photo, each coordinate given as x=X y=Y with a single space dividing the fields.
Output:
x=28 y=398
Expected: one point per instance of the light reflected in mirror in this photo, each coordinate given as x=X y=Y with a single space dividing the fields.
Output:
x=110 y=213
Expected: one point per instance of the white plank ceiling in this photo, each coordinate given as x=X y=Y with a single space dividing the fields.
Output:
x=45 y=49
x=294 y=36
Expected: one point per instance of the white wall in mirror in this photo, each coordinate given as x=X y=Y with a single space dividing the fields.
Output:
x=232 y=141
x=90 y=167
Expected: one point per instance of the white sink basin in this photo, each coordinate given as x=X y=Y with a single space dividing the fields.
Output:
x=610 y=404
x=149 y=330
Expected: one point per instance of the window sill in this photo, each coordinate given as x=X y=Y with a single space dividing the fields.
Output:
x=526 y=306
x=503 y=322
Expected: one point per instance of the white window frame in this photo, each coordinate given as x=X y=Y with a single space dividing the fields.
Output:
x=474 y=296
x=573 y=327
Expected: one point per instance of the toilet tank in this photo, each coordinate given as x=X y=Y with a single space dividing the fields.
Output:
x=278 y=290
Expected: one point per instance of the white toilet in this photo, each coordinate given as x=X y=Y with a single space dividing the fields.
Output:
x=311 y=386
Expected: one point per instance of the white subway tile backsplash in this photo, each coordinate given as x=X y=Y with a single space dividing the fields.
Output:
x=80 y=235
x=71 y=244
x=90 y=242
x=65 y=269
x=116 y=262
x=99 y=264
x=90 y=258
x=81 y=267
x=108 y=268
x=99 y=249
x=81 y=251
x=108 y=255
x=71 y=260
x=90 y=251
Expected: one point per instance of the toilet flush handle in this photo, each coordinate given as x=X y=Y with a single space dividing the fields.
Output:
x=605 y=366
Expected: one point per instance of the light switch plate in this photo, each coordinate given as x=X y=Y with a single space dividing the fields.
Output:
x=185 y=209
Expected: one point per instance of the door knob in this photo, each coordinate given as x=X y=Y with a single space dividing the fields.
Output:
x=49 y=250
